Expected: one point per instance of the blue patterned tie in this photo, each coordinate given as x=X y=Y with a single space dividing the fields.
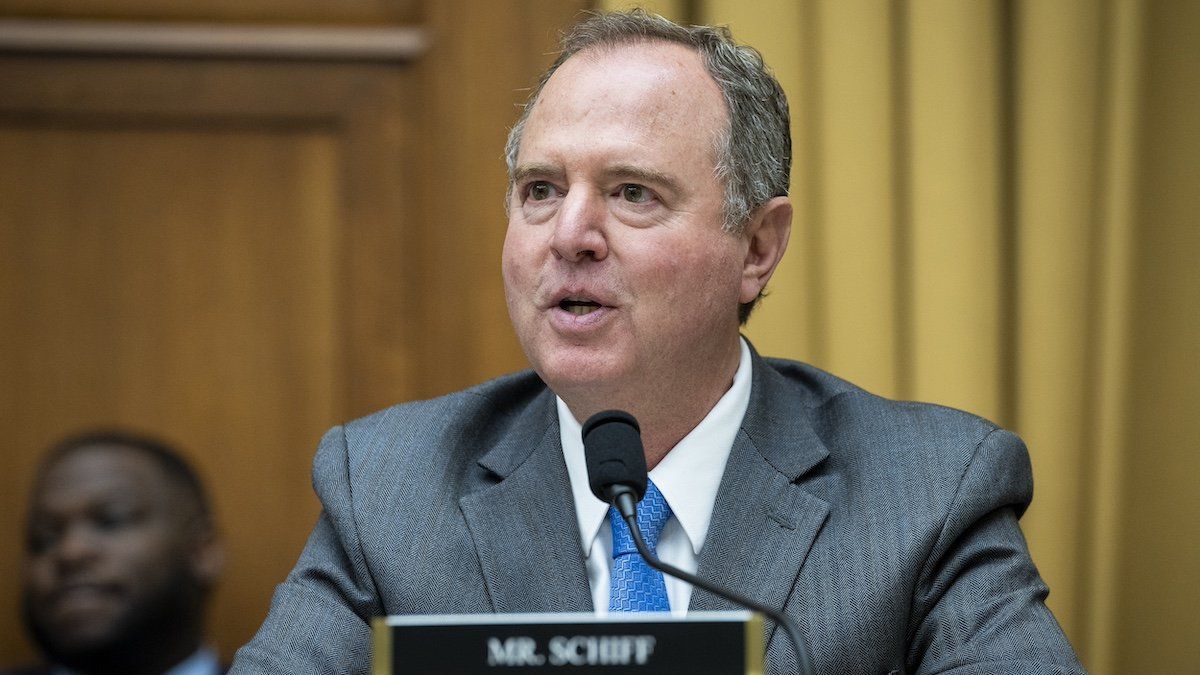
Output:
x=637 y=587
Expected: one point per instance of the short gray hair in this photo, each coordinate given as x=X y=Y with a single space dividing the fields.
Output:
x=754 y=152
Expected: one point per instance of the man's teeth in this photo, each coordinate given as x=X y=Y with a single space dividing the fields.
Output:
x=579 y=307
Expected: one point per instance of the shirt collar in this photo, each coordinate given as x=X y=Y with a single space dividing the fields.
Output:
x=203 y=662
x=688 y=476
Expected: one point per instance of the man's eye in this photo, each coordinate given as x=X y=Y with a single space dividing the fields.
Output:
x=109 y=519
x=540 y=190
x=40 y=539
x=637 y=194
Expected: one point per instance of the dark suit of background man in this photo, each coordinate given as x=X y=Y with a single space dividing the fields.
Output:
x=647 y=210
x=121 y=556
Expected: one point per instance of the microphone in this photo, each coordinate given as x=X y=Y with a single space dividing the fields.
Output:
x=616 y=463
x=616 y=466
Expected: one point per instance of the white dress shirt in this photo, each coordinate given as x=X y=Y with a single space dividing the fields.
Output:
x=688 y=478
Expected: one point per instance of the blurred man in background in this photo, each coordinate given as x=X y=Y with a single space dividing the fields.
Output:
x=121 y=555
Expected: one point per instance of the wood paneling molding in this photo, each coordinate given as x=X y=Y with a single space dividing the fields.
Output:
x=326 y=12
x=207 y=40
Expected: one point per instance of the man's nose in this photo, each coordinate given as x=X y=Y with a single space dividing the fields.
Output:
x=77 y=545
x=579 y=230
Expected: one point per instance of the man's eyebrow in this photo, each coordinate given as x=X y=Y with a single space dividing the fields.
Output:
x=639 y=174
x=623 y=172
x=536 y=169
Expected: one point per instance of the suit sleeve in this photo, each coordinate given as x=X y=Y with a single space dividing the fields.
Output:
x=319 y=616
x=979 y=604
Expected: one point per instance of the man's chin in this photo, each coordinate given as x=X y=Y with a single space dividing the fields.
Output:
x=571 y=375
x=121 y=637
x=82 y=646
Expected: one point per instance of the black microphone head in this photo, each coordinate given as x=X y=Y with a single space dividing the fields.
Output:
x=612 y=446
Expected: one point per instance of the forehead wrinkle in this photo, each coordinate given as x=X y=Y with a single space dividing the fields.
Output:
x=650 y=82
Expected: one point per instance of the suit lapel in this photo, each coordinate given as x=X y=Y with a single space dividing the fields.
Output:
x=764 y=521
x=524 y=526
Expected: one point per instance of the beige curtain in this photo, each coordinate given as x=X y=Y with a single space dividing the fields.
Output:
x=995 y=211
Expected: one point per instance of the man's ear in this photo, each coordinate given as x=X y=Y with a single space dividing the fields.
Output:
x=766 y=237
x=208 y=556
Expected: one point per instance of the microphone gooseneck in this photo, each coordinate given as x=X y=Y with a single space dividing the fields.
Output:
x=616 y=464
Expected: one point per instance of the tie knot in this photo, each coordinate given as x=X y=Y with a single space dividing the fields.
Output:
x=653 y=512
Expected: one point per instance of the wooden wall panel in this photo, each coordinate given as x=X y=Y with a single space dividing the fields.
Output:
x=368 y=109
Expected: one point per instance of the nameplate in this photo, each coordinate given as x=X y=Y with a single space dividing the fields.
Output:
x=717 y=643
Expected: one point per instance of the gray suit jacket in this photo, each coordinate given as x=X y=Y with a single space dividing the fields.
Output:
x=888 y=530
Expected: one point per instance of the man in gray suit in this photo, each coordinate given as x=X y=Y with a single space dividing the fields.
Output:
x=648 y=208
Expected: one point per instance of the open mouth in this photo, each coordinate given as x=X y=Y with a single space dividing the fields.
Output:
x=578 y=307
